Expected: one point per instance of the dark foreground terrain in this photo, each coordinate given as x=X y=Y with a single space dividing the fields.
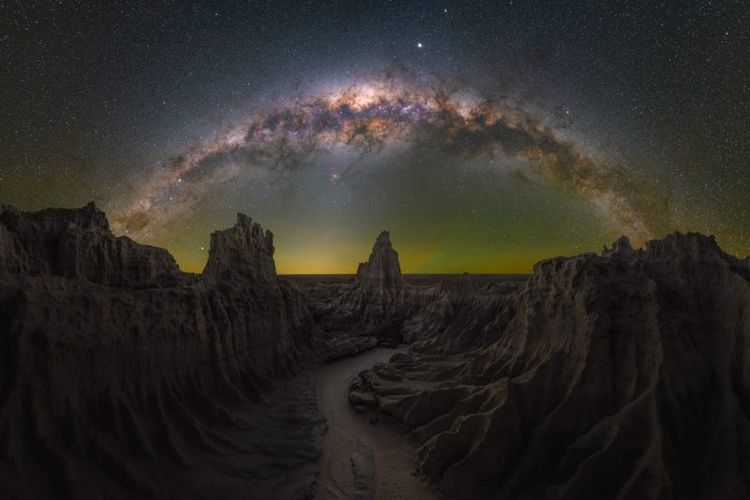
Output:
x=624 y=375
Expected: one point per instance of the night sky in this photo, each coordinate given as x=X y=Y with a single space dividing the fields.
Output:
x=485 y=135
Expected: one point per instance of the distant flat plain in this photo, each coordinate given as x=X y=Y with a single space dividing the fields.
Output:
x=412 y=279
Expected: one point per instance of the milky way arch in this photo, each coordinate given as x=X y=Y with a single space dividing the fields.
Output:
x=367 y=117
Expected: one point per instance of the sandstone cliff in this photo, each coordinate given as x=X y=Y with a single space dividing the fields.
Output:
x=622 y=375
x=375 y=305
x=625 y=375
x=242 y=254
x=78 y=244
x=381 y=274
x=122 y=377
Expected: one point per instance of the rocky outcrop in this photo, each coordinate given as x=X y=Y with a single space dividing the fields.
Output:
x=624 y=376
x=375 y=305
x=620 y=248
x=380 y=305
x=241 y=254
x=121 y=377
x=459 y=319
x=78 y=244
x=381 y=274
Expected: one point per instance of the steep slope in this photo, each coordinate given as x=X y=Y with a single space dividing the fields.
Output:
x=121 y=376
x=625 y=375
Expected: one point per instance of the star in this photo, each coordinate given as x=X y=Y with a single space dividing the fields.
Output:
x=419 y=45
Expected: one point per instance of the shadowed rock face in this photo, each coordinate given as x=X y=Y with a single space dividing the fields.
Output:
x=382 y=272
x=458 y=315
x=78 y=244
x=620 y=248
x=380 y=306
x=243 y=253
x=625 y=375
x=375 y=306
x=122 y=377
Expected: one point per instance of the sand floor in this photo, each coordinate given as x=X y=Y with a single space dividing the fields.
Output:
x=362 y=460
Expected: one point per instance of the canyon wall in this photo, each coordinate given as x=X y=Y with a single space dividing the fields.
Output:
x=625 y=375
x=622 y=375
x=121 y=376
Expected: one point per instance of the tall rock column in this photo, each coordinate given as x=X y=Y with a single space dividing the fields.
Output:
x=243 y=253
x=382 y=272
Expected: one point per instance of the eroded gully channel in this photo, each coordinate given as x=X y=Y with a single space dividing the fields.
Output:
x=362 y=460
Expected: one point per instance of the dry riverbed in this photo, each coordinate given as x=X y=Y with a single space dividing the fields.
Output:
x=362 y=460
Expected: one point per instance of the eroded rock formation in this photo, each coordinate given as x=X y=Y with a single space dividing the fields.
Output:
x=381 y=274
x=375 y=305
x=620 y=248
x=73 y=243
x=122 y=377
x=241 y=254
x=625 y=375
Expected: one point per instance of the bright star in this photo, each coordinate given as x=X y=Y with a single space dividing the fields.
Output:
x=419 y=45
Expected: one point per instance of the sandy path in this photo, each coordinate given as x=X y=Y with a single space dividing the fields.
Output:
x=381 y=459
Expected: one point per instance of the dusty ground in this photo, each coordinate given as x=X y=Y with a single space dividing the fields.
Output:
x=362 y=460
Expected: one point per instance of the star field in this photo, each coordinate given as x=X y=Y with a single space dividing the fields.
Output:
x=485 y=135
